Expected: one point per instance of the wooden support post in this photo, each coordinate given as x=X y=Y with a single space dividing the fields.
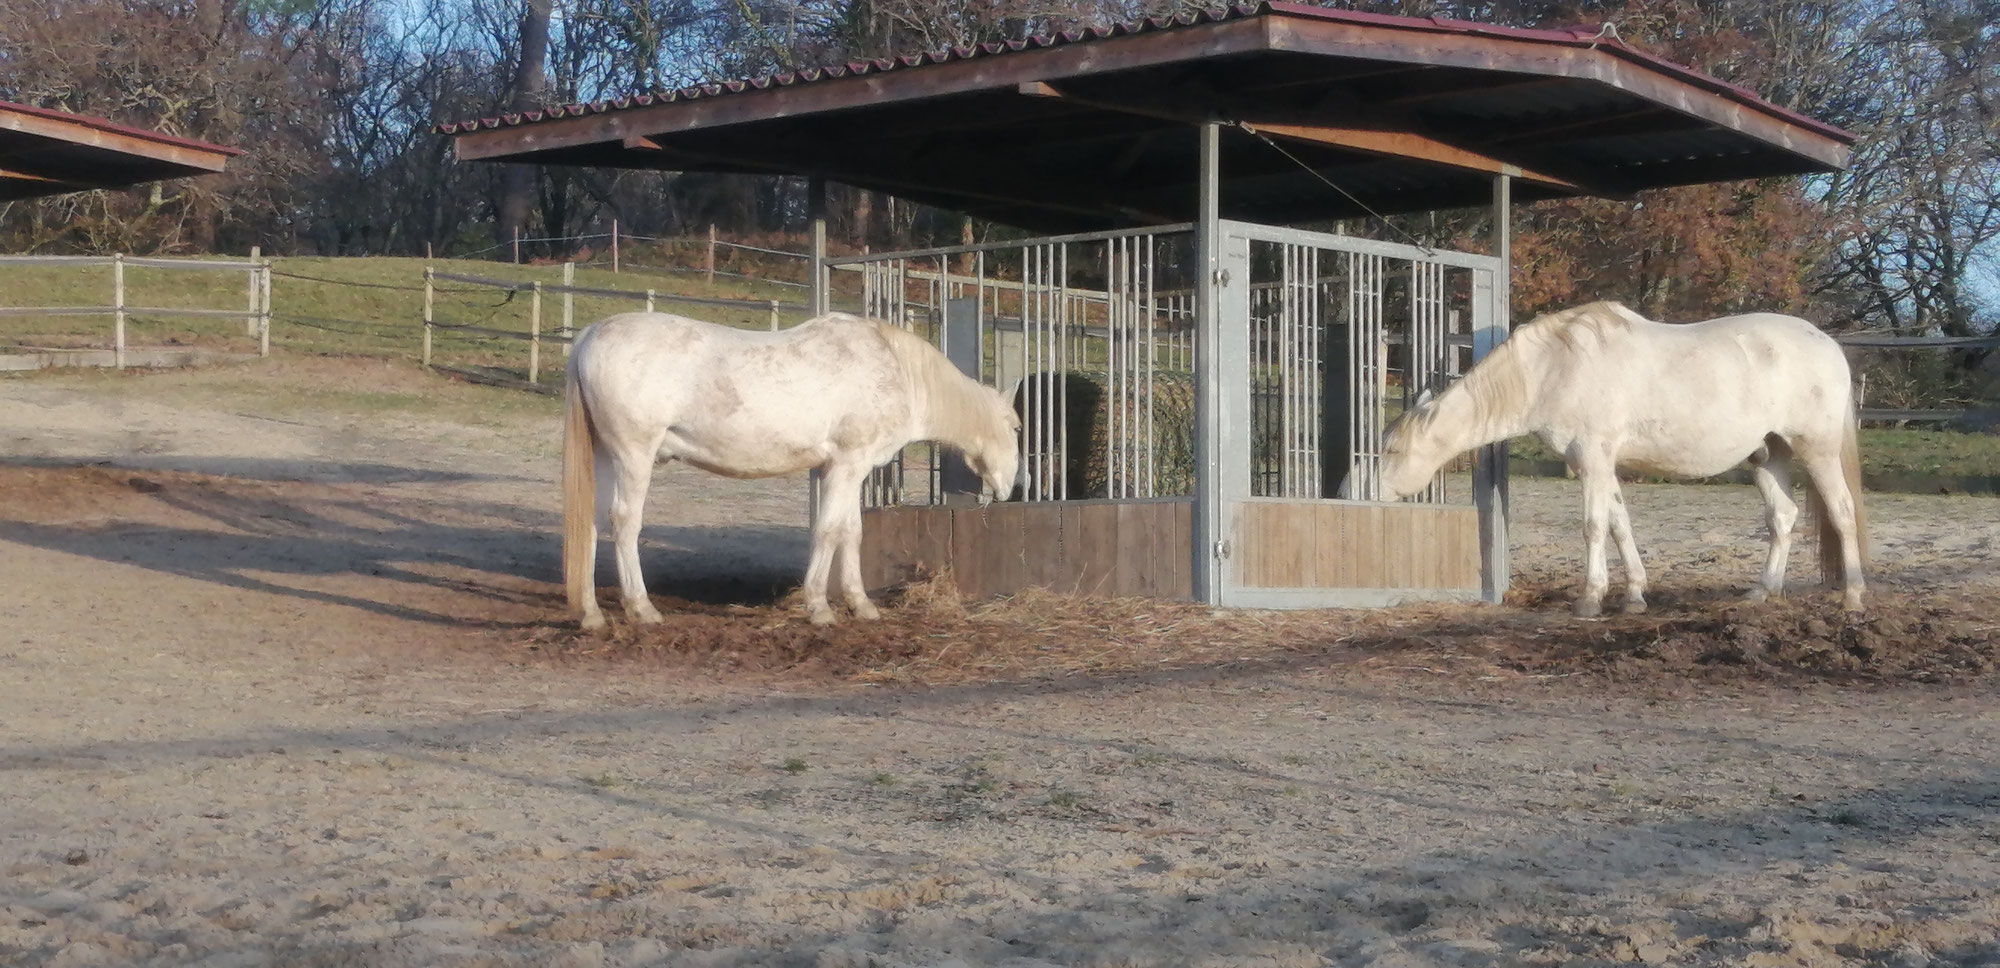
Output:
x=649 y=300
x=517 y=245
x=709 y=263
x=614 y=246
x=535 y=335
x=429 y=287
x=250 y=320
x=264 y=310
x=774 y=315
x=118 y=310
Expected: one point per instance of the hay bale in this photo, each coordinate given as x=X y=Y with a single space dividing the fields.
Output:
x=1086 y=399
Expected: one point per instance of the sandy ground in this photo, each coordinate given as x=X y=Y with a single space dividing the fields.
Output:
x=269 y=698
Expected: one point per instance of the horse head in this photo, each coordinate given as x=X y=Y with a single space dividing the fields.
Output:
x=1409 y=450
x=996 y=455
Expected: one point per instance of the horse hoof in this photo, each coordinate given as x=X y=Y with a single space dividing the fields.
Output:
x=592 y=622
x=821 y=616
x=867 y=611
x=1635 y=608
x=1588 y=609
x=1852 y=605
x=1758 y=594
x=647 y=616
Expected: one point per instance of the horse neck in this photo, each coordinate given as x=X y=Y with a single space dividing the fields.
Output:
x=1494 y=401
x=953 y=413
x=946 y=402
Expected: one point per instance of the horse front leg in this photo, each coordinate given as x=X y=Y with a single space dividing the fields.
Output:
x=839 y=513
x=1628 y=552
x=1599 y=485
x=851 y=586
x=1771 y=471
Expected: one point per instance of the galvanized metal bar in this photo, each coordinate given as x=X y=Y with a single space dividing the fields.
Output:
x=1210 y=419
x=1490 y=471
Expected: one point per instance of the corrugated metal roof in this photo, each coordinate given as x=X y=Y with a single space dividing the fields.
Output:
x=1585 y=37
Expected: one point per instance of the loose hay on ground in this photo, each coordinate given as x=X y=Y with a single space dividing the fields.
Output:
x=929 y=636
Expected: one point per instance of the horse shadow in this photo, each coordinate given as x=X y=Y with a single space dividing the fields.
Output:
x=479 y=554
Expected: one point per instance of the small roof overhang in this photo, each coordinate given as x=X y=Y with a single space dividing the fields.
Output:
x=45 y=152
x=1090 y=129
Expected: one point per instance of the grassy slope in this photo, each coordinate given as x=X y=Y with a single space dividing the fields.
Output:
x=381 y=318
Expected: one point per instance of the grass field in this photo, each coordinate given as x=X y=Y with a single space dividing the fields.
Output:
x=373 y=307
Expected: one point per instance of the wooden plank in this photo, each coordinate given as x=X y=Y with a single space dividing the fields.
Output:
x=1003 y=554
x=1135 y=573
x=1164 y=551
x=1177 y=563
x=1090 y=532
x=970 y=534
x=1042 y=548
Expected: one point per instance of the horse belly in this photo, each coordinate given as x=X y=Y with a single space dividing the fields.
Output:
x=1694 y=456
x=741 y=454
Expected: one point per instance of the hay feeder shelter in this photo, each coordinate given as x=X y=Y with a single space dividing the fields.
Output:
x=1203 y=385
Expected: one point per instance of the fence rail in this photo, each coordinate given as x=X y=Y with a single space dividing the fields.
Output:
x=256 y=311
x=564 y=334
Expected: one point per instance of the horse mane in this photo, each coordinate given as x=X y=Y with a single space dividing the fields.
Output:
x=954 y=412
x=1500 y=390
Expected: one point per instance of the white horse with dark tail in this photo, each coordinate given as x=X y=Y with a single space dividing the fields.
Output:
x=1606 y=388
x=838 y=393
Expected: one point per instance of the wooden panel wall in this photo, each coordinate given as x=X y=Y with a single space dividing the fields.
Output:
x=1281 y=544
x=1072 y=547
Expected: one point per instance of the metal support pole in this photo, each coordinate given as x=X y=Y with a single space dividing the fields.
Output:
x=649 y=299
x=517 y=245
x=535 y=335
x=1489 y=483
x=816 y=266
x=118 y=310
x=709 y=263
x=1207 y=551
x=614 y=246
x=774 y=315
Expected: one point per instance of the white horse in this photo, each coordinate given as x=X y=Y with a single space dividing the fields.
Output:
x=1606 y=387
x=838 y=393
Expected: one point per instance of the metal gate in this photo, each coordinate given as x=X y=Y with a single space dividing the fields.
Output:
x=1342 y=335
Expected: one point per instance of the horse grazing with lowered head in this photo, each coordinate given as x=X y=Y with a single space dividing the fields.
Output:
x=1606 y=387
x=838 y=393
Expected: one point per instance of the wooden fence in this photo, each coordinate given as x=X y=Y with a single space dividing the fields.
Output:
x=535 y=335
x=256 y=311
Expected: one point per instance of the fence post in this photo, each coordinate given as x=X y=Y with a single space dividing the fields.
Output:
x=427 y=314
x=614 y=246
x=264 y=310
x=517 y=245
x=649 y=300
x=710 y=263
x=250 y=321
x=774 y=315
x=569 y=302
x=118 y=310
x=535 y=335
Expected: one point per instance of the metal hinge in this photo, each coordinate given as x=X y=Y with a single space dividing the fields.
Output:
x=1221 y=277
x=1222 y=549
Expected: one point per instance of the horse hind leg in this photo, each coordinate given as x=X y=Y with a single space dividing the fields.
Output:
x=1771 y=470
x=632 y=472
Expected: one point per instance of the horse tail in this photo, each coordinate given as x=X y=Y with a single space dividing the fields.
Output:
x=579 y=494
x=1832 y=561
